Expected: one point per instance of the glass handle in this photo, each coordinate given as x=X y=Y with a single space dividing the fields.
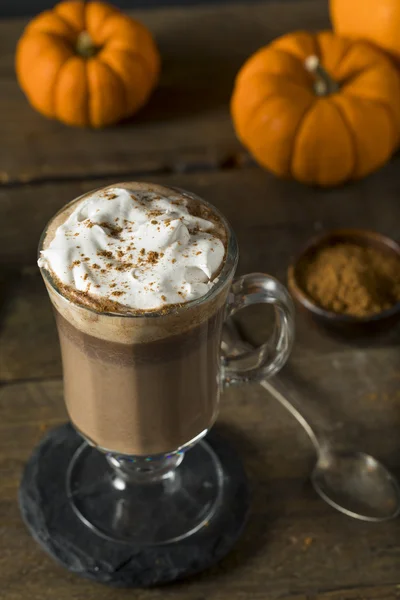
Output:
x=266 y=360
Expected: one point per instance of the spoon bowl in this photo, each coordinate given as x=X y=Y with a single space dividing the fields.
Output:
x=357 y=485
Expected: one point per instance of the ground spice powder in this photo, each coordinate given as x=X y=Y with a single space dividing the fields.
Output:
x=351 y=279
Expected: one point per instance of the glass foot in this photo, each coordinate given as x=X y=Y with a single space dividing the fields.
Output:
x=150 y=511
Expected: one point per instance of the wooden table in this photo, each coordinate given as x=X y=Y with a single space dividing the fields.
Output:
x=295 y=546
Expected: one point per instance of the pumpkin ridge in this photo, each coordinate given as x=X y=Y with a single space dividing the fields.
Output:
x=353 y=77
x=58 y=110
x=368 y=66
x=59 y=38
x=294 y=149
x=68 y=25
x=118 y=78
x=107 y=16
x=281 y=78
x=264 y=99
x=387 y=109
x=38 y=26
x=87 y=108
x=254 y=114
x=297 y=127
x=295 y=136
x=142 y=66
x=357 y=75
x=351 y=136
x=342 y=59
x=282 y=75
x=66 y=8
x=138 y=56
x=378 y=101
x=139 y=53
x=111 y=35
x=393 y=119
x=39 y=34
x=54 y=86
x=120 y=18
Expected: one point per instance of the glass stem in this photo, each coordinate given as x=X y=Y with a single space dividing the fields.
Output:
x=142 y=469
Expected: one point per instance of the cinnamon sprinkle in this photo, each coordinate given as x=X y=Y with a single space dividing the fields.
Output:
x=152 y=257
x=154 y=213
x=114 y=231
x=105 y=253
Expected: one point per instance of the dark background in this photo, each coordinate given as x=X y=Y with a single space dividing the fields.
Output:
x=18 y=8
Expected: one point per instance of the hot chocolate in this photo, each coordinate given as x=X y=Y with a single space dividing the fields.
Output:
x=131 y=271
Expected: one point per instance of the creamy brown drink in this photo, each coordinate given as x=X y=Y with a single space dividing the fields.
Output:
x=125 y=268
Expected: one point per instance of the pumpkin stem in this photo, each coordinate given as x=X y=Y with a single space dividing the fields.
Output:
x=324 y=85
x=85 y=46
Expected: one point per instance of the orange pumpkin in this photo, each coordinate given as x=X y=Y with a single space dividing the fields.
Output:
x=377 y=21
x=86 y=64
x=317 y=107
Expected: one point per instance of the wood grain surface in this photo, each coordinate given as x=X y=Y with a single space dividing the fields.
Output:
x=295 y=546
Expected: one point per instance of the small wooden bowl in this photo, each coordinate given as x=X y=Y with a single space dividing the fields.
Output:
x=337 y=322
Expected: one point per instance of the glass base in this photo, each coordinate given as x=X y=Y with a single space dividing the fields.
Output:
x=145 y=511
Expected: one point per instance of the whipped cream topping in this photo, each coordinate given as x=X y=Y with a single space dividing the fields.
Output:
x=139 y=250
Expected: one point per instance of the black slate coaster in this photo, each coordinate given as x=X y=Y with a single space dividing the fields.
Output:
x=54 y=525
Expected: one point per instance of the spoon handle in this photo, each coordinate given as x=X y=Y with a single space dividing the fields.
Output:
x=274 y=387
x=284 y=388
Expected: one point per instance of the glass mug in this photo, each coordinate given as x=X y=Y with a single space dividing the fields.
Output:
x=143 y=390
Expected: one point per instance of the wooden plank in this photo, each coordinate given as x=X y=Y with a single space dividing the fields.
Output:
x=295 y=546
x=187 y=122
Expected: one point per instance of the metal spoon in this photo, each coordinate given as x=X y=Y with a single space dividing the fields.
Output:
x=354 y=483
